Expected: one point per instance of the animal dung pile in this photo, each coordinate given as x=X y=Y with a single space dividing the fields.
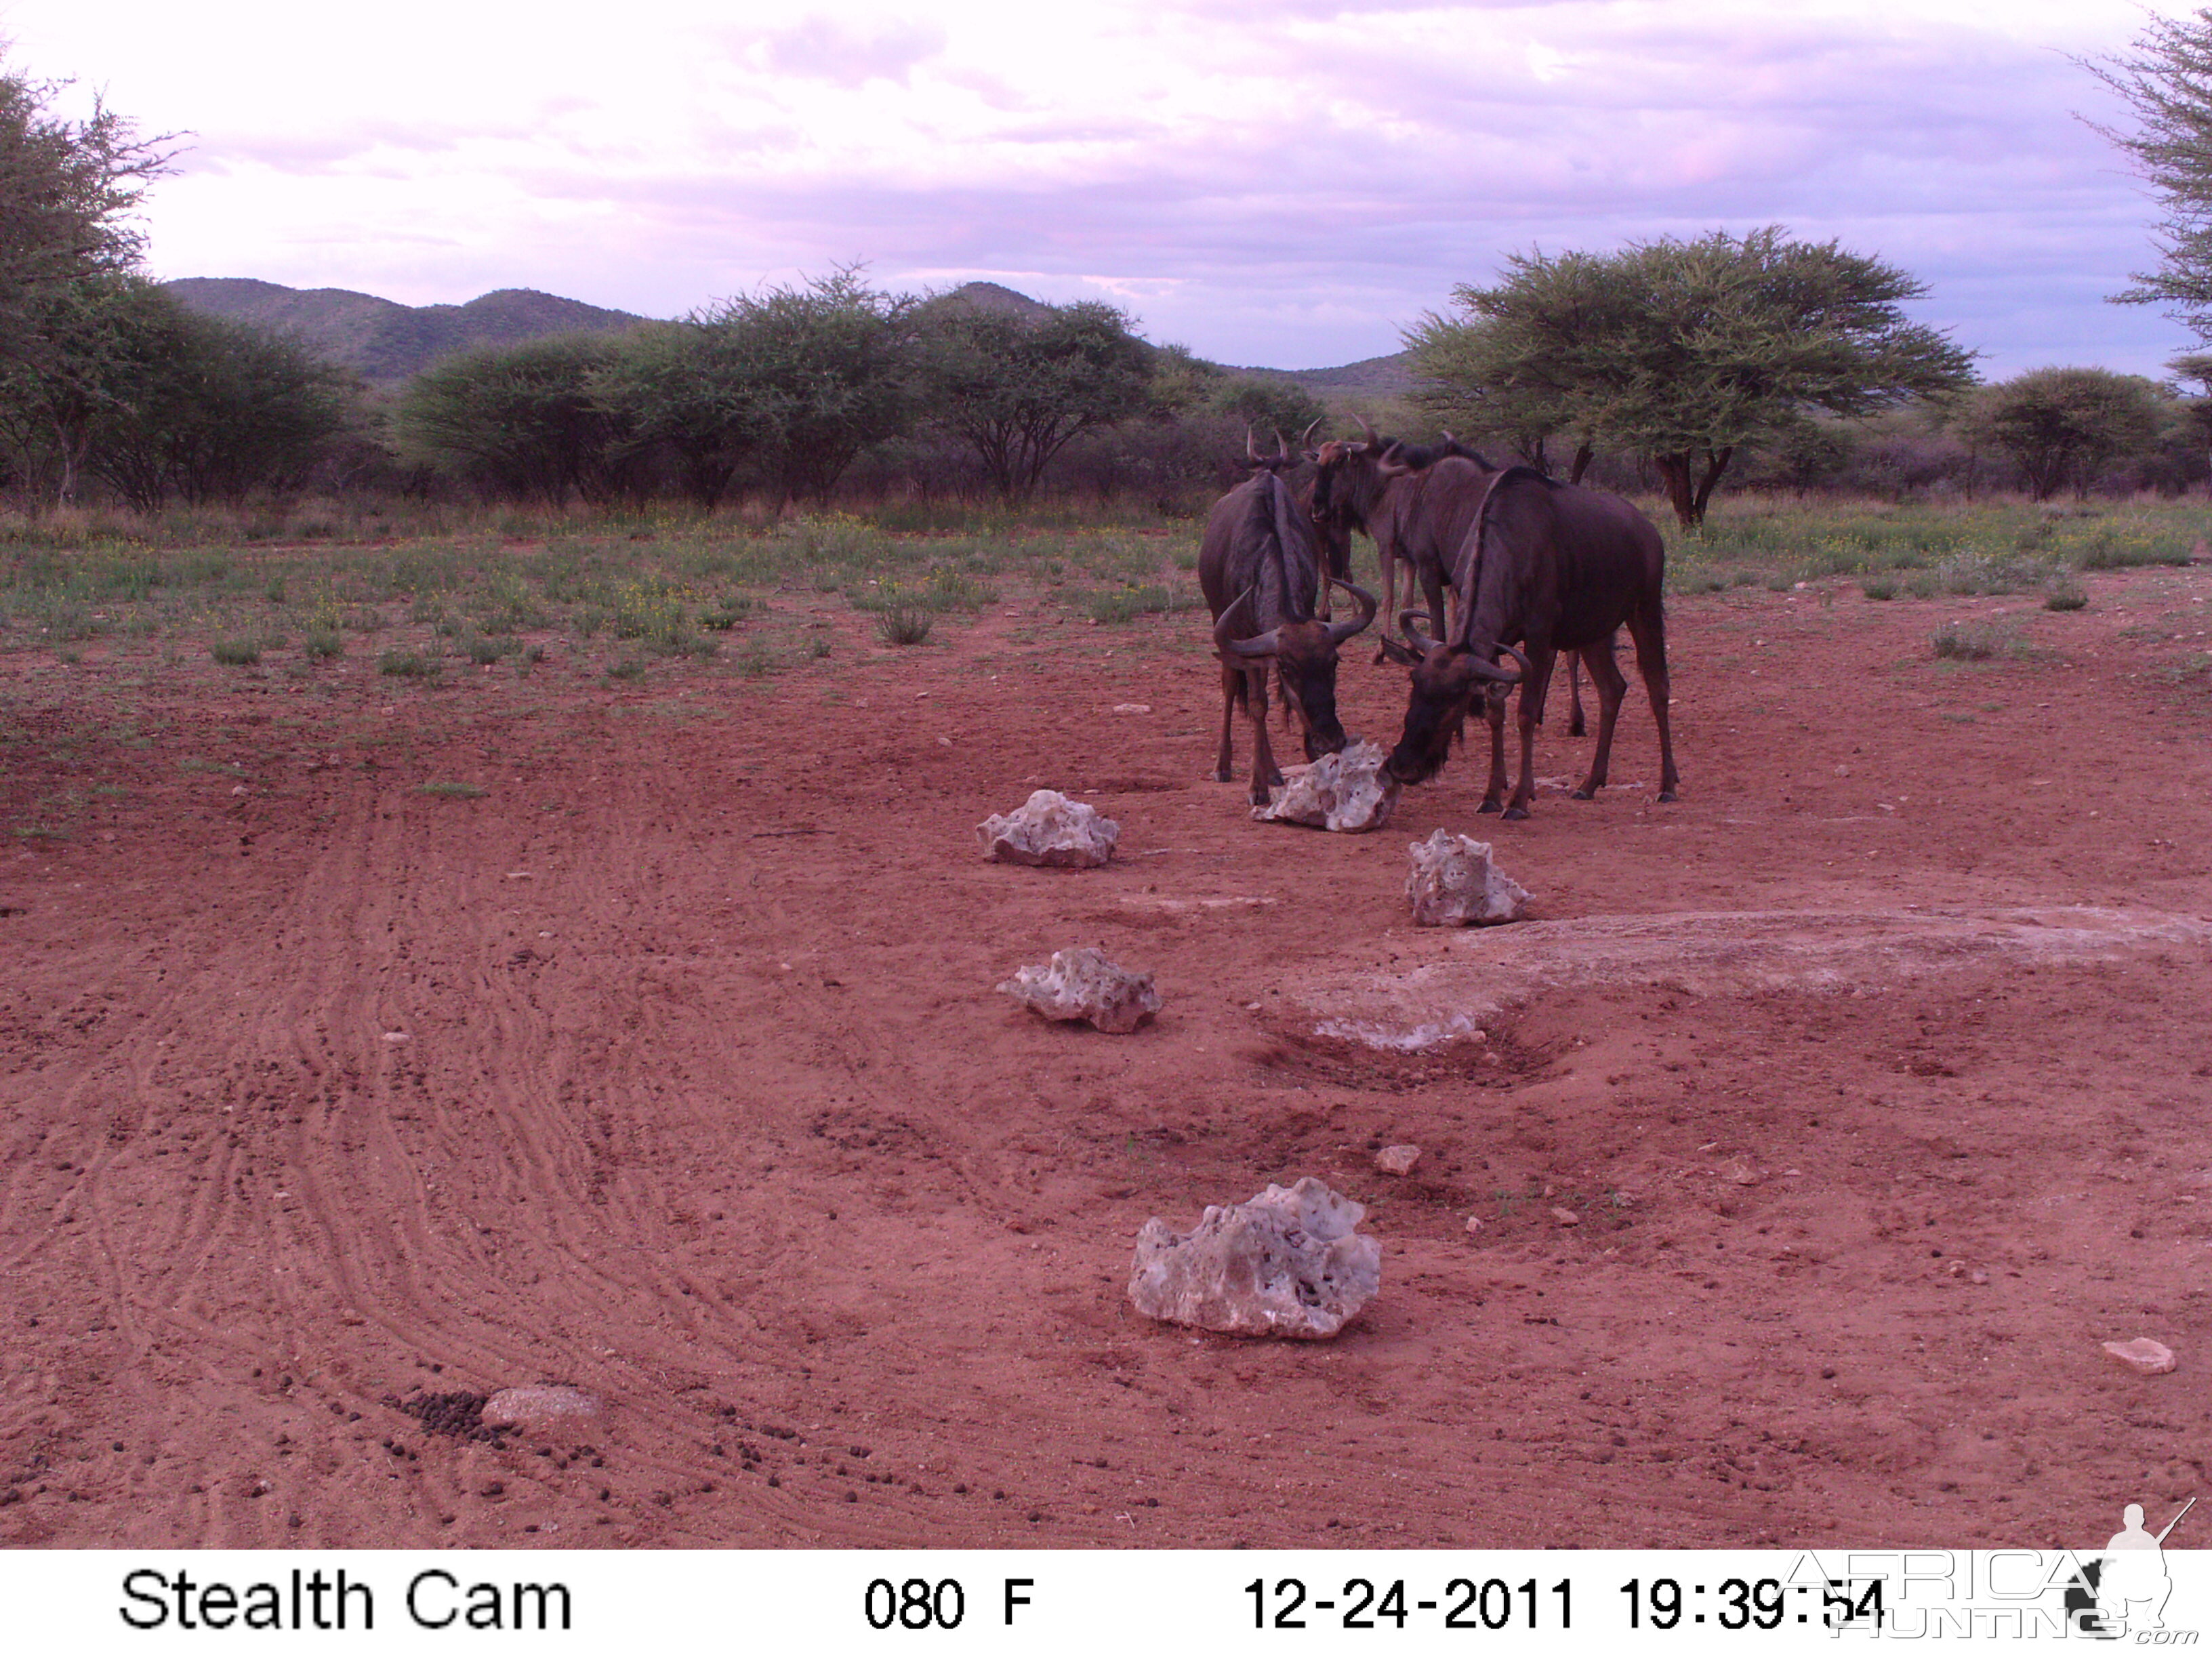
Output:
x=1345 y=792
x=1287 y=1263
x=1050 y=829
x=1082 y=984
x=1454 y=884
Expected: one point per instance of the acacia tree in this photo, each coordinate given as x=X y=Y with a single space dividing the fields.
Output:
x=683 y=390
x=814 y=373
x=522 y=420
x=2065 y=425
x=68 y=240
x=2168 y=84
x=1018 y=389
x=1684 y=352
x=206 y=408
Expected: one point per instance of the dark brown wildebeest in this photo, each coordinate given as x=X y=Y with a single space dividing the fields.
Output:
x=1551 y=568
x=1414 y=504
x=1260 y=572
x=1417 y=501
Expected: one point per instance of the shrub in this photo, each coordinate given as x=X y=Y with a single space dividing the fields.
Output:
x=236 y=653
x=1879 y=587
x=903 y=624
x=2064 y=593
x=407 y=665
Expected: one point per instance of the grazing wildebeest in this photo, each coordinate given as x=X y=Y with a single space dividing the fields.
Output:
x=1260 y=573
x=1551 y=568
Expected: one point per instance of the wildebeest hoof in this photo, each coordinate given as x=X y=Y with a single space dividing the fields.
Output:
x=1666 y=794
x=1225 y=775
x=1487 y=807
x=1274 y=780
x=1583 y=794
x=1515 y=814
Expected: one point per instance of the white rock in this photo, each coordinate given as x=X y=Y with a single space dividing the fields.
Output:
x=1344 y=791
x=1048 y=829
x=1287 y=1263
x=2144 y=1356
x=1397 y=1160
x=538 y=1404
x=1453 y=884
x=1082 y=984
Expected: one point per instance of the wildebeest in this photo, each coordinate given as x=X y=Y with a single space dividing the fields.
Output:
x=1260 y=569
x=1550 y=568
x=1418 y=502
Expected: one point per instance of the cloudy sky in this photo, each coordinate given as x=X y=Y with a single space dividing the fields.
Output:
x=1289 y=182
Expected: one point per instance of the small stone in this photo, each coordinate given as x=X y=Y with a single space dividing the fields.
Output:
x=1082 y=984
x=1978 y=1277
x=1344 y=791
x=1286 y=1263
x=1051 y=830
x=1397 y=1160
x=1474 y=1224
x=1133 y=708
x=2144 y=1356
x=1565 y=1217
x=538 y=1404
x=1453 y=884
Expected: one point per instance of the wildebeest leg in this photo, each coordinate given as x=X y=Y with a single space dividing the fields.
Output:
x=1493 y=797
x=1648 y=630
x=1577 y=725
x=1611 y=682
x=1386 y=555
x=1263 y=757
x=1533 y=685
x=1232 y=689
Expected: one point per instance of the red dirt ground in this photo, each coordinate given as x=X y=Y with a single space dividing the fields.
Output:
x=672 y=1067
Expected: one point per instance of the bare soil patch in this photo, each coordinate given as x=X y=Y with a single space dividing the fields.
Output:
x=669 y=1067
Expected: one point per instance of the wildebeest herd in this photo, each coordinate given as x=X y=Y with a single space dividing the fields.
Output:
x=1532 y=568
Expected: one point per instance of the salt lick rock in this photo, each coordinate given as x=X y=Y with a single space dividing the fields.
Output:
x=1454 y=884
x=1082 y=984
x=538 y=1405
x=1287 y=1263
x=1344 y=791
x=1048 y=829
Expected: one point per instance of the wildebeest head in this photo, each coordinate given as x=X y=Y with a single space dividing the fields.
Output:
x=1347 y=478
x=1305 y=654
x=1442 y=688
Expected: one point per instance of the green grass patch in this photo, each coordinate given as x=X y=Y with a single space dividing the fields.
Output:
x=456 y=791
x=236 y=653
x=408 y=665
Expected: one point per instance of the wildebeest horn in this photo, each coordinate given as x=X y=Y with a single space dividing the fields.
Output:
x=1282 y=449
x=1389 y=466
x=1306 y=437
x=1367 y=431
x=1260 y=645
x=1412 y=624
x=1338 y=632
x=1489 y=671
x=1251 y=449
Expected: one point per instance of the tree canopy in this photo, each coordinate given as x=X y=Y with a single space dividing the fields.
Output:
x=1017 y=389
x=2168 y=84
x=2064 y=425
x=1683 y=352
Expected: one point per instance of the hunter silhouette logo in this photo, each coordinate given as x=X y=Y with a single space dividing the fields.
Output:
x=2123 y=1590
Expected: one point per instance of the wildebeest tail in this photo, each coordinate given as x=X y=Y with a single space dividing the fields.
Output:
x=1283 y=509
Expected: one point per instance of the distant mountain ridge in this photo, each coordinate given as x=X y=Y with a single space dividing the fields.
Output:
x=386 y=341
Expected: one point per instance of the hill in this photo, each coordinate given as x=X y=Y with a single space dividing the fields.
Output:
x=385 y=341
x=1374 y=377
